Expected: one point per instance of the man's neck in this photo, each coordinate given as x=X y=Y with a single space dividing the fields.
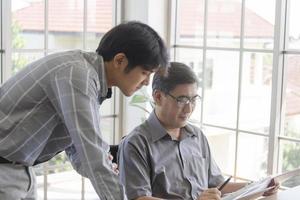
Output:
x=108 y=68
x=174 y=133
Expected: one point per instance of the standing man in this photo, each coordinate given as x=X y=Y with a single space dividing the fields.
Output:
x=52 y=106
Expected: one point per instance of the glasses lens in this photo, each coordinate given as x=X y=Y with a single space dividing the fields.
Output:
x=196 y=99
x=183 y=101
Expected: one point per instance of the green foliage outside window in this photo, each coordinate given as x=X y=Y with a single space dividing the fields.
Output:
x=291 y=158
x=18 y=42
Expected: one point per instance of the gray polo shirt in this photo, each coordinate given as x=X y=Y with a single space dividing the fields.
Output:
x=152 y=164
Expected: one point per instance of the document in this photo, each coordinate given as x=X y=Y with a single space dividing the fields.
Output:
x=257 y=188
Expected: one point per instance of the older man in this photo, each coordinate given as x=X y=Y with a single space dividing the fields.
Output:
x=166 y=157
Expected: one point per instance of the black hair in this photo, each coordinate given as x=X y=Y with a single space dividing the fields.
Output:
x=139 y=42
x=167 y=79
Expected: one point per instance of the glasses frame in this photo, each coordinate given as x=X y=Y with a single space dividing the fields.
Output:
x=188 y=100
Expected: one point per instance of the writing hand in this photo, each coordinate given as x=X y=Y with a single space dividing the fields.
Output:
x=275 y=186
x=210 y=194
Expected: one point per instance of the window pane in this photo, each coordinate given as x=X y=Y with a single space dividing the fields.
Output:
x=65 y=24
x=27 y=24
x=221 y=87
x=107 y=129
x=56 y=165
x=289 y=159
x=99 y=21
x=107 y=107
x=89 y=191
x=293 y=25
x=20 y=60
x=222 y=144
x=292 y=97
x=252 y=162
x=65 y=186
x=59 y=163
x=1 y=54
x=224 y=23
x=259 y=24
x=256 y=92
x=190 y=22
x=193 y=59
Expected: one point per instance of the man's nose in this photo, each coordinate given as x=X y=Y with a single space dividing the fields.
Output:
x=146 y=81
x=188 y=108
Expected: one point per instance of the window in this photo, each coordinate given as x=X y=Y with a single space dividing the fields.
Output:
x=1 y=47
x=231 y=46
x=42 y=27
x=289 y=140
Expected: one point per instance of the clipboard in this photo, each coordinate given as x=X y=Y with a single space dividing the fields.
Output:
x=256 y=189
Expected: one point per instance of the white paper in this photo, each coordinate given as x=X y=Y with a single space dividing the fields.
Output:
x=257 y=188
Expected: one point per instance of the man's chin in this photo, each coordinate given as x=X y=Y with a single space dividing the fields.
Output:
x=182 y=124
x=127 y=93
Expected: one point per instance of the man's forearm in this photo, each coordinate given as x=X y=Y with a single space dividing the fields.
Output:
x=232 y=187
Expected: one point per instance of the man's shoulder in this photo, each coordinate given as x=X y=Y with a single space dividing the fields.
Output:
x=195 y=129
x=138 y=135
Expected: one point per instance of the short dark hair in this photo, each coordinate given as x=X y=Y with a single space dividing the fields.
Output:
x=139 y=42
x=177 y=73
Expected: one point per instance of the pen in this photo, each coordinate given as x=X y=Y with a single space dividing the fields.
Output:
x=223 y=184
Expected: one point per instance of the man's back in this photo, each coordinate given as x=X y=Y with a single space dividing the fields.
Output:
x=29 y=110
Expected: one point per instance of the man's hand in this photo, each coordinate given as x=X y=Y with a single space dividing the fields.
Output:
x=275 y=186
x=114 y=165
x=210 y=194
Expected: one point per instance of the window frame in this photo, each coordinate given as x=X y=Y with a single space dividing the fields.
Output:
x=6 y=52
x=279 y=52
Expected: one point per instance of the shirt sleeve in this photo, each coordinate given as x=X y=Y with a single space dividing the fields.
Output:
x=75 y=90
x=75 y=161
x=134 y=168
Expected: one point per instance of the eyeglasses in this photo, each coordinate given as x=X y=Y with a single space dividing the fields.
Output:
x=184 y=100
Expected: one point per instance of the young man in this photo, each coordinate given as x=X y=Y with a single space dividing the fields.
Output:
x=166 y=157
x=52 y=106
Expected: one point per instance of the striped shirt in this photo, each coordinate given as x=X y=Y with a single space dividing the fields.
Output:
x=52 y=105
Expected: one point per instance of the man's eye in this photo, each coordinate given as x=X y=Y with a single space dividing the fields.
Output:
x=182 y=99
x=146 y=73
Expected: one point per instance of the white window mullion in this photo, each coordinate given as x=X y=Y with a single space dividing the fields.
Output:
x=204 y=58
x=241 y=53
x=46 y=39
x=84 y=35
x=277 y=83
x=46 y=51
x=1 y=47
x=6 y=35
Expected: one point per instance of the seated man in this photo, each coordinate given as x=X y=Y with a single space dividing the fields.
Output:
x=166 y=157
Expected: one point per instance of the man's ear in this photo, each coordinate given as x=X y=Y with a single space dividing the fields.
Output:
x=157 y=95
x=120 y=61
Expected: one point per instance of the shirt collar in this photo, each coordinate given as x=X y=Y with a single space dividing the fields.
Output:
x=158 y=131
x=104 y=90
x=97 y=62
